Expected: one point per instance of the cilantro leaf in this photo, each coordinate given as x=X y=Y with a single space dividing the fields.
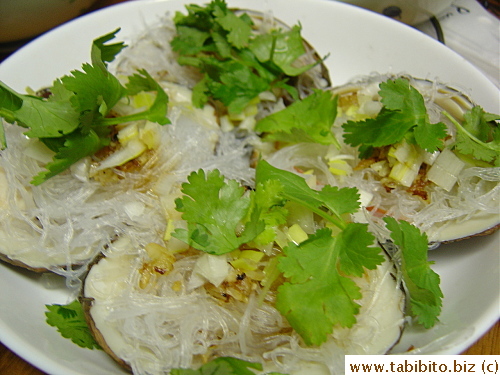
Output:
x=157 y=112
x=430 y=136
x=356 y=250
x=307 y=120
x=236 y=85
x=477 y=123
x=404 y=116
x=70 y=323
x=102 y=53
x=76 y=146
x=281 y=48
x=339 y=201
x=398 y=95
x=44 y=118
x=478 y=135
x=469 y=146
x=214 y=209
x=189 y=40
x=318 y=295
x=421 y=281
x=238 y=29
x=269 y=206
x=330 y=203
x=94 y=91
x=96 y=85
x=380 y=131
x=223 y=366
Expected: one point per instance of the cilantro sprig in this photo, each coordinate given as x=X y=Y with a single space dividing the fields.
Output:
x=478 y=135
x=421 y=282
x=319 y=293
x=224 y=366
x=74 y=121
x=237 y=64
x=331 y=203
x=403 y=116
x=214 y=209
x=71 y=324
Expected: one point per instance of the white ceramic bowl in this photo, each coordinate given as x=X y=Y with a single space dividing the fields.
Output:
x=408 y=11
x=24 y=19
x=469 y=270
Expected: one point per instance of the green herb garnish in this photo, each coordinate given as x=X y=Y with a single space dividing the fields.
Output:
x=479 y=135
x=237 y=64
x=71 y=324
x=319 y=293
x=73 y=122
x=224 y=366
x=404 y=116
x=306 y=120
x=331 y=203
x=421 y=282
x=214 y=209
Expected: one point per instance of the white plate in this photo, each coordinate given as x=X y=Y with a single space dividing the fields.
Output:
x=359 y=42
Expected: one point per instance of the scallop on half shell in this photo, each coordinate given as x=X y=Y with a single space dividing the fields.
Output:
x=449 y=196
x=148 y=312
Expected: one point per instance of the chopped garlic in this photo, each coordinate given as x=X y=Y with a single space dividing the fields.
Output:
x=161 y=263
x=381 y=167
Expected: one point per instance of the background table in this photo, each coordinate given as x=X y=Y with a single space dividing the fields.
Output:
x=10 y=363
